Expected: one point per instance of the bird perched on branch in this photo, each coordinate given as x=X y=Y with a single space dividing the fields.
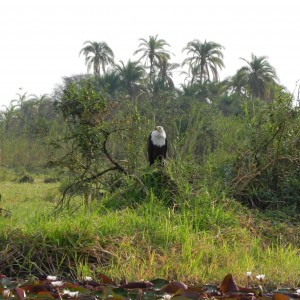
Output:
x=157 y=146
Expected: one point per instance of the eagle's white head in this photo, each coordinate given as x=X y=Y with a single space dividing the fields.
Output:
x=160 y=129
x=159 y=136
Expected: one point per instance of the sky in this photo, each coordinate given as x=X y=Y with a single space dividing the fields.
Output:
x=41 y=39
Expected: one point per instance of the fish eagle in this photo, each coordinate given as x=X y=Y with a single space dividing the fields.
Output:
x=157 y=146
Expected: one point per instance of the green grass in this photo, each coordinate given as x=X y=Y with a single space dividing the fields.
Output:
x=200 y=240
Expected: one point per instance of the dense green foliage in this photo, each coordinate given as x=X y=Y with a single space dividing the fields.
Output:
x=233 y=145
x=96 y=140
x=199 y=240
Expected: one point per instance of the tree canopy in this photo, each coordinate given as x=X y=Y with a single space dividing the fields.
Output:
x=257 y=77
x=204 y=61
x=97 y=55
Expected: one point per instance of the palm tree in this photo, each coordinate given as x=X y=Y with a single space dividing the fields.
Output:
x=191 y=75
x=165 y=69
x=109 y=82
x=153 y=50
x=22 y=98
x=257 y=77
x=206 y=91
x=9 y=115
x=205 y=57
x=131 y=75
x=97 y=55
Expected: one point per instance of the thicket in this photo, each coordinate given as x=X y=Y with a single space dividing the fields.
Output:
x=225 y=156
x=95 y=141
x=78 y=196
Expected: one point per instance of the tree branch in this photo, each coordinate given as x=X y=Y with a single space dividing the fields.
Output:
x=88 y=179
x=118 y=166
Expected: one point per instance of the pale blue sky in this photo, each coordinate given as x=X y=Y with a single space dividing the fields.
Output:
x=41 y=39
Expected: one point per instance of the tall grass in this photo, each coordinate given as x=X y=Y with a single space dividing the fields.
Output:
x=200 y=240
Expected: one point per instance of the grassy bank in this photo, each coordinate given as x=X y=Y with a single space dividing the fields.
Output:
x=200 y=240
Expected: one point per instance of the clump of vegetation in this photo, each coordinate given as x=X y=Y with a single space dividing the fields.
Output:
x=26 y=178
x=226 y=201
x=51 y=179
